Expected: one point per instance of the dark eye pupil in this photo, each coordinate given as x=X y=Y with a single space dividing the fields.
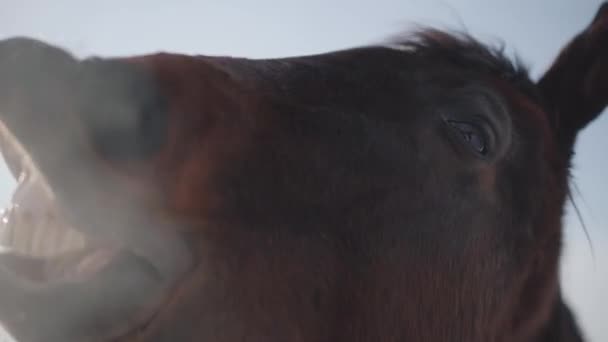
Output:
x=472 y=135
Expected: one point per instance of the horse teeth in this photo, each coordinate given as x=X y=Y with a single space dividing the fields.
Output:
x=44 y=236
x=30 y=224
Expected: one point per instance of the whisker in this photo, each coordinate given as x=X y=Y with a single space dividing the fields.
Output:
x=580 y=219
x=579 y=195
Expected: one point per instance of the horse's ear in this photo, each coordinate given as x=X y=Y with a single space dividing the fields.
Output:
x=575 y=87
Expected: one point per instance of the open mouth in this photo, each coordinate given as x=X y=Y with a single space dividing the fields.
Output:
x=109 y=284
x=33 y=227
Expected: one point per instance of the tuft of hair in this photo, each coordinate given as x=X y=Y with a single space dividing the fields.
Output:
x=464 y=51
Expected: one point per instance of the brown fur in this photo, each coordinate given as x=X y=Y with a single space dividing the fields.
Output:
x=318 y=198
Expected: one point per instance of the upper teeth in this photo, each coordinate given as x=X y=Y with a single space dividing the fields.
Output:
x=37 y=236
x=32 y=225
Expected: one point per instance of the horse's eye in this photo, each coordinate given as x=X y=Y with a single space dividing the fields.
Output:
x=472 y=134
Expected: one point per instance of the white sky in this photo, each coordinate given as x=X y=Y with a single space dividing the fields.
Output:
x=535 y=29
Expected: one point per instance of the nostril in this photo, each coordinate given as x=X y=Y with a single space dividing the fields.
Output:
x=123 y=110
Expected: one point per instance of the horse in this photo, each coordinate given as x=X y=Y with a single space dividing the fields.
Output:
x=411 y=191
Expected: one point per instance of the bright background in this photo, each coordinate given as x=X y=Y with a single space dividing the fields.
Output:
x=535 y=29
